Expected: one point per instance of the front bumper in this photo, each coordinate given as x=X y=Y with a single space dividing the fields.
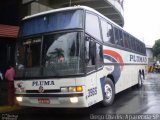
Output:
x=55 y=100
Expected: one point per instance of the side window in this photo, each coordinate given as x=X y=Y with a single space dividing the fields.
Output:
x=93 y=54
x=139 y=46
x=126 y=44
x=92 y=25
x=33 y=49
x=133 y=44
x=116 y=31
x=99 y=55
x=107 y=32
x=144 y=49
x=118 y=37
x=121 y=38
x=90 y=53
x=129 y=41
x=136 y=44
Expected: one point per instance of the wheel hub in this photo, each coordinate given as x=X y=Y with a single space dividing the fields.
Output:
x=108 y=92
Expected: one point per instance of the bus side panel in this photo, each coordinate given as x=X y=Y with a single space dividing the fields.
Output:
x=93 y=90
x=100 y=80
x=124 y=66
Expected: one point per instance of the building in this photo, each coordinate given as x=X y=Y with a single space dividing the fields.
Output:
x=12 y=11
x=113 y=9
x=9 y=26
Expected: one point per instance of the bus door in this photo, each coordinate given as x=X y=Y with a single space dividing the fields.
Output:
x=94 y=60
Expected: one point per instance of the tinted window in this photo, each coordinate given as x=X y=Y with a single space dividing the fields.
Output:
x=133 y=43
x=52 y=22
x=99 y=55
x=107 y=32
x=144 y=49
x=90 y=53
x=120 y=38
x=93 y=54
x=92 y=25
x=129 y=45
x=28 y=58
x=126 y=37
x=136 y=45
x=32 y=51
x=116 y=31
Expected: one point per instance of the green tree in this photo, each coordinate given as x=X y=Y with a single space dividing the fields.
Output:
x=57 y=52
x=156 y=48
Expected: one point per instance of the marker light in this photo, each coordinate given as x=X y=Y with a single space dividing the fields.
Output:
x=74 y=99
x=19 y=99
x=79 y=88
x=64 y=89
x=72 y=89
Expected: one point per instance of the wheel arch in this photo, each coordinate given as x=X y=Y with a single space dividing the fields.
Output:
x=109 y=80
x=111 y=77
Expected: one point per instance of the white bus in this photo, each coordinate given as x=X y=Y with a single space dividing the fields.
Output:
x=75 y=57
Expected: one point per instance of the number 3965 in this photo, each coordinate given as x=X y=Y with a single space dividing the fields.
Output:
x=92 y=91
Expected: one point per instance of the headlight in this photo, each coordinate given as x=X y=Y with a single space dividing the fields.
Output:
x=64 y=89
x=74 y=99
x=72 y=89
x=19 y=99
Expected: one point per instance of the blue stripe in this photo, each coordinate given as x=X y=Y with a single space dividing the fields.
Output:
x=117 y=70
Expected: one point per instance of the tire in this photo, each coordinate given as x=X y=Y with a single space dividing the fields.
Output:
x=140 y=81
x=109 y=93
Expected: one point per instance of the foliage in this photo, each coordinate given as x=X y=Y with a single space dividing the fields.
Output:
x=58 y=52
x=156 y=48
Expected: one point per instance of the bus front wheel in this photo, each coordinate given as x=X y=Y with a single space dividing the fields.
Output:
x=108 y=92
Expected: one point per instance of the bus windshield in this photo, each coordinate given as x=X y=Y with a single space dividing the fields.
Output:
x=49 y=55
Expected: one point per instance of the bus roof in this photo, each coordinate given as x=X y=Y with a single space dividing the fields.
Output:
x=56 y=10
x=76 y=8
x=66 y=9
x=70 y=8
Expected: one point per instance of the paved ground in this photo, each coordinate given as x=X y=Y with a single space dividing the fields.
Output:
x=4 y=107
x=3 y=93
x=132 y=104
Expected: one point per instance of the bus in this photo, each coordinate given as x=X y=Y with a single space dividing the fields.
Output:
x=75 y=57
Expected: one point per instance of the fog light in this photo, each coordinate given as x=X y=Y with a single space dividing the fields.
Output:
x=64 y=89
x=19 y=99
x=74 y=100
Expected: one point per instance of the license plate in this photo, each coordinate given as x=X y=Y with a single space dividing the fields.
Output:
x=43 y=100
